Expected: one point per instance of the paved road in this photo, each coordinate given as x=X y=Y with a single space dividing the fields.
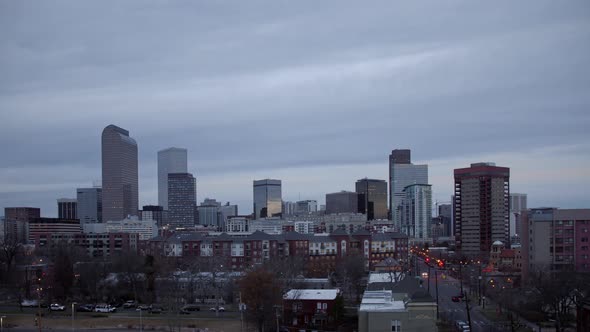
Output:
x=449 y=287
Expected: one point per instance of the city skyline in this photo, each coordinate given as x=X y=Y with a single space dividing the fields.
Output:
x=328 y=103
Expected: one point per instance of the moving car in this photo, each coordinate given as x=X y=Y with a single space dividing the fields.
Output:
x=217 y=309
x=57 y=307
x=456 y=299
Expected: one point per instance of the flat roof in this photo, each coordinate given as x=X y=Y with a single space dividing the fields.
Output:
x=311 y=294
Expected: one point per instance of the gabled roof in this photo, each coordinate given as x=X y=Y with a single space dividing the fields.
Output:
x=259 y=236
x=339 y=232
x=388 y=262
x=361 y=232
x=294 y=236
x=222 y=237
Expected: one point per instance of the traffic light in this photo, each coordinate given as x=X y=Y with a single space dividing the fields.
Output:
x=427 y=259
x=441 y=264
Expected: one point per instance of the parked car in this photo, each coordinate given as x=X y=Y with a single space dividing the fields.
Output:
x=155 y=309
x=86 y=308
x=217 y=309
x=129 y=304
x=191 y=307
x=106 y=308
x=29 y=303
x=143 y=307
x=57 y=307
x=184 y=312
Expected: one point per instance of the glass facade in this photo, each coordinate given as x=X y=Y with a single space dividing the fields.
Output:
x=267 y=198
x=372 y=198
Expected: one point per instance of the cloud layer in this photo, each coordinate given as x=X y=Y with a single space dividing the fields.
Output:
x=316 y=94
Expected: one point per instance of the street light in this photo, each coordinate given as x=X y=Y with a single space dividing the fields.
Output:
x=2 y=323
x=140 y=322
x=73 y=305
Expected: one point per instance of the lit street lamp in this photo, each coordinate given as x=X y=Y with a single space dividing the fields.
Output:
x=2 y=323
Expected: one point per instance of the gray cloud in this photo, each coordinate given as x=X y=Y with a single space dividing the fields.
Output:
x=258 y=88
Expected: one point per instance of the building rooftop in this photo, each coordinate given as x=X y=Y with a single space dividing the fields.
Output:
x=381 y=301
x=312 y=294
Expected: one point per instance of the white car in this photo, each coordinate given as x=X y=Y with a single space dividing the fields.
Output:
x=57 y=307
x=29 y=303
x=217 y=309
x=104 y=308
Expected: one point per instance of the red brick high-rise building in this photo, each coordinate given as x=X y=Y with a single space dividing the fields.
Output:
x=482 y=208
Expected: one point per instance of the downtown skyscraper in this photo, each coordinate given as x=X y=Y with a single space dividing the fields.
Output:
x=482 y=208
x=171 y=160
x=182 y=199
x=267 y=198
x=402 y=173
x=120 y=184
x=372 y=198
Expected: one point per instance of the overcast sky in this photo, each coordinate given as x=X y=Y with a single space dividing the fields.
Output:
x=315 y=93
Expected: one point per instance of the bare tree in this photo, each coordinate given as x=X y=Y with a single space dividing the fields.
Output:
x=261 y=293
x=9 y=248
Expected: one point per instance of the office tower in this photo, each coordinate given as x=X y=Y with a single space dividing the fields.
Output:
x=119 y=174
x=67 y=208
x=289 y=208
x=89 y=205
x=482 y=199
x=555 y=240
x=342 y=202
x=171 y=160
x=372 y=198
x=226 y=211
x=182 y=199
x=445 y=217
x=154 y=212
x=21 y=213
x=267 y=198
x=209 y=212
x=306 y=207
x=518 y=203
x=417 y=211
x=402 y=173
x=16 y=222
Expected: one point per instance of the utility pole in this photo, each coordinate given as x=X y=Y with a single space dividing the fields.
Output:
x=466 y=299
x=436 y=286
x=461 y=276
x=429 y=279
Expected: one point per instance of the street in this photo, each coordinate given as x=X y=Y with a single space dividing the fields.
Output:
x=447 y=288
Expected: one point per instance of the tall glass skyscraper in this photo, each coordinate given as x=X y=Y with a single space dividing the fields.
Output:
x=171 y=160
x=182 y=199
x=89 y=205
x=267 y=198
x=402 y=173
x=120 y=184
x=372 y=198
x=417 y=211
